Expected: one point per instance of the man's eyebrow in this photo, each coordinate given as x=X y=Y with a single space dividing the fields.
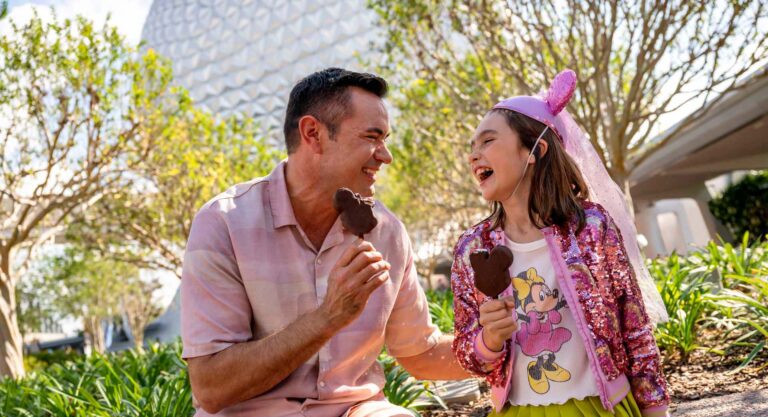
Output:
x=375 y=130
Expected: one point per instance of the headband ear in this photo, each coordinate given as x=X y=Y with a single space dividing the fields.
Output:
x=560 y=91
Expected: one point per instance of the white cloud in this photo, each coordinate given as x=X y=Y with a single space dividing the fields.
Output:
x=128 y=16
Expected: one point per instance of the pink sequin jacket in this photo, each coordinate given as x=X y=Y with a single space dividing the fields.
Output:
x=591 y=267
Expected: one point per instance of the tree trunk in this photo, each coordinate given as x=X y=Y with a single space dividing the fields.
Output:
x=432 y=266
x=138 y=340
x=622 y=179
x=137 y=323
x=625 y=187
x=95 y=334
x=11 y=359
x=425 y=269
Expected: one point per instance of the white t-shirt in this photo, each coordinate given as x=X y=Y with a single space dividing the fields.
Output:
x=551 y=364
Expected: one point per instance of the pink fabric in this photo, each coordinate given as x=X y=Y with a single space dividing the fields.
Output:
x=500 y=394
x=560 y=91
x=604 y=191
x=249 y=271
x=569 y=290
x=484 y=352
x=601 y=290
x=378 y=407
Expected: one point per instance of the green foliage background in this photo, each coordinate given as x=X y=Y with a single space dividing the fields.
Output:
x=743 y=206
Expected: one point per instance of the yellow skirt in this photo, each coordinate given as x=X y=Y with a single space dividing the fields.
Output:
x=588 y=407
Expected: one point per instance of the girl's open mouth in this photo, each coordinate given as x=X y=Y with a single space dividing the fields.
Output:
x=483 y=173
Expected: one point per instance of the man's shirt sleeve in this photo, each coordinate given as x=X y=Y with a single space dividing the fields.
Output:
x=215 y=311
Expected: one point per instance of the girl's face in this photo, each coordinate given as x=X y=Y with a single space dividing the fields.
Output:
x=497 y=158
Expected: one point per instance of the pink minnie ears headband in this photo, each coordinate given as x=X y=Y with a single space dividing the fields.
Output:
x=547 y=108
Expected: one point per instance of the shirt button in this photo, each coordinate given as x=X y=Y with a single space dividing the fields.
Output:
x=319 y=261
x=322 y=384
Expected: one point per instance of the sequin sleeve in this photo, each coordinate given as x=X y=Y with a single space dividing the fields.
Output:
x=467 y=314
x=645 y=372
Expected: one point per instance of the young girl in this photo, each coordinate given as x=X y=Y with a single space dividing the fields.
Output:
x=571 y=335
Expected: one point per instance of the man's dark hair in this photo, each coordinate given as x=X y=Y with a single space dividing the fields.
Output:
x=325 y=95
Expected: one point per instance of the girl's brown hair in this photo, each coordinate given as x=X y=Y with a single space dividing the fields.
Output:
x=557 y=187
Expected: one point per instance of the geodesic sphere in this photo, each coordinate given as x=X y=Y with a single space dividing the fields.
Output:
x=245 y=55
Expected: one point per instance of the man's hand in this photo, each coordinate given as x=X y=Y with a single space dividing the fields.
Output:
x=357 y=273
x=498 y=322
x=246 y=370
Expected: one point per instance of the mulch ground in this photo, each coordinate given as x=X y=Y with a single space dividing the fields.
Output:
x=707 y=376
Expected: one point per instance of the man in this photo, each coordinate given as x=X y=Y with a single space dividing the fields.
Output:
x=283 y=312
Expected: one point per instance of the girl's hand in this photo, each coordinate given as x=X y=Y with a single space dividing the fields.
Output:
x=498 y=321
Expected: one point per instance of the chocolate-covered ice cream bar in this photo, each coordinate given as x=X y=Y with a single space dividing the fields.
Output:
x=492 y=270
x=356 y=212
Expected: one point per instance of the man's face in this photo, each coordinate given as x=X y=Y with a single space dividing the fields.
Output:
x=359 y=150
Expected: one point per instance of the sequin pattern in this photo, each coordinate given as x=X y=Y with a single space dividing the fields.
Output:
x=467 y=301
x=605 y=287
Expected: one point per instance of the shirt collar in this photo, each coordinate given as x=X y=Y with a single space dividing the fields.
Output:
x=279 y=200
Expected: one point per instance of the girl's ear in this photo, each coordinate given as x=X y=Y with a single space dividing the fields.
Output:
x=540 y=151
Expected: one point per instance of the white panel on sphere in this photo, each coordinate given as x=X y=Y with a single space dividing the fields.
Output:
x=245 y=55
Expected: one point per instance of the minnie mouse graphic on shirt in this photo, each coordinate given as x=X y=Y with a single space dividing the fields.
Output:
x=537 y=336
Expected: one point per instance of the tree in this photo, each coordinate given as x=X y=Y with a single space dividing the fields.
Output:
x=78 y=283
x=196 y=157
x=637 y=63
x=429 y=183
x=35 y=308
x=89 y=288
x=139 y=307
x=99 y=147
x=75 y=102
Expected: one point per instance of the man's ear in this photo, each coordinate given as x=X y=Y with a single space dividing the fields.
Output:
x=310 y=132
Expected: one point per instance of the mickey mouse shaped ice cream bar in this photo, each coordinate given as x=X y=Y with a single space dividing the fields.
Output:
x=356 y=212
x=492 y=270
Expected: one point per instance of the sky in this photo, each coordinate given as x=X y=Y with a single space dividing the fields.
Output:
x=127 y=15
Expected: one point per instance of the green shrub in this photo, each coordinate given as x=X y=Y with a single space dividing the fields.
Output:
x=684 y=291
x=400 y=389
x=723 y=288
x=742 y=304
x=441 y=309
x=745 y=309
x=744 y=259
x=743 y=207
x=153 y=383
x=149 y=384
x=39 y=361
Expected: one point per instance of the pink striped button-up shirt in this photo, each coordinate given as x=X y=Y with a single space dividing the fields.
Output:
x=249 y=271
